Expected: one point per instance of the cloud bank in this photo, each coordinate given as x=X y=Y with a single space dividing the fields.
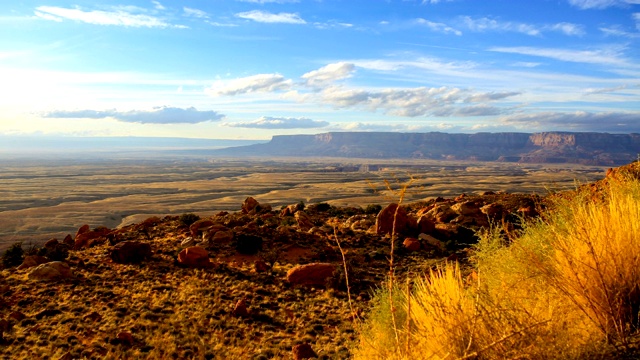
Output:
x=159 y=115
x=267 y=122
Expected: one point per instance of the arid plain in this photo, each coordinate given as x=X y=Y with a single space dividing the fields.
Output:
x=40 y=199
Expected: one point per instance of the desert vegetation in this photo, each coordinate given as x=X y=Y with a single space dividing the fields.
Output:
x=479 y=275
x=564 y=286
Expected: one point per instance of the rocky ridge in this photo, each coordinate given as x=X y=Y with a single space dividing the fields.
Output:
x=258 y=283
x=546 y=147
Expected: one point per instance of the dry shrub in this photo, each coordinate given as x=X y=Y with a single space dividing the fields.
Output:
x=567 y=287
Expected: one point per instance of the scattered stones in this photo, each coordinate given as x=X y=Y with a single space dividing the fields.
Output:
x=51 y=244
x=411 y=244
x=493 y=211
x=303 y=351
x=304 y=221
x=130 y=252
x=68 y=240
x=260 y=266
x=240 y=309
x=92 y=316
x=250 y=205
x=188 y=242
x=394 y=214
x=426 y=225
x=222 y=237
x=311 y=274
x=200 y=226
x=55 y=270
x=441 y=213
x=83 y=229
x=88 y=238
x=433 y=242
x=125 y=338
x=195 y=256
x=466 y=208
x=17 y=316
x=31 y=261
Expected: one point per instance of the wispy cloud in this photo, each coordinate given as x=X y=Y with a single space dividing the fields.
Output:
x=438 y=27
x=577 y=121
x=267 y=122
x=329 y=74
x=485 y=24
x=195 y=13
x=250 y=84
x=434 y=1
x=603 y=57
x=158 y=5
x=600 y=4
x=159 y=115
x=118 y=17
x=618 y=31
x=267 y=17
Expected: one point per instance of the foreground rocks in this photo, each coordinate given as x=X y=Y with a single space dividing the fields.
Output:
x=233 y=278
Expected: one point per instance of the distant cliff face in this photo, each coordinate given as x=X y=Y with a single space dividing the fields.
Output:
x=552 y=147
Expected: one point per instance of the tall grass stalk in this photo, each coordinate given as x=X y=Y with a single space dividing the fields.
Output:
x=566 y=287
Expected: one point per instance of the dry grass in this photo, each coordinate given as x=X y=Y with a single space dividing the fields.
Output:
x=568 y=286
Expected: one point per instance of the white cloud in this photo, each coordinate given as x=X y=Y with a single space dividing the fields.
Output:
x=567 y=29
x=577 y=121
x=195 y=13
x=267 y=122
x=250 y=84
x=600 y=4
x=118 y=17
x=159 y=115
x=439 y=27
x=329 y=74
x=413 y=102
x=487 y=24
x=603 y=57
x=332 y=24
x=618 y=31
x=158 y=5
x=434 y=1
x=267 y=17
x=526 y=64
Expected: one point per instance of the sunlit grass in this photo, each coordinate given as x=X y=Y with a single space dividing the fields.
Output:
x=567 y=286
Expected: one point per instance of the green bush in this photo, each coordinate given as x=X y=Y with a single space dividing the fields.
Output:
x=188 y=219
x=13 y=256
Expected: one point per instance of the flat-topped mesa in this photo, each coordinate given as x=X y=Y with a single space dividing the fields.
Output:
x=545 y=147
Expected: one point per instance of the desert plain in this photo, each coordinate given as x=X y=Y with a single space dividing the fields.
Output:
x=43 y=199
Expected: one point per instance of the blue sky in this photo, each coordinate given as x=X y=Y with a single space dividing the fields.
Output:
x=250 y=69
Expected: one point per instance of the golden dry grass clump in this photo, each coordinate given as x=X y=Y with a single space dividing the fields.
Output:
x=567 y=286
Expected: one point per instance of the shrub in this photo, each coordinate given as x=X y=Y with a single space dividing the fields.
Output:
x=188 y=219
x=248 y=244
x=13 y=256
x=567 y=287
x=373 y=209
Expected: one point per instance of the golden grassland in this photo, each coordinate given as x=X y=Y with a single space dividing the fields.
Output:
x=41 y=200
x=566 y=287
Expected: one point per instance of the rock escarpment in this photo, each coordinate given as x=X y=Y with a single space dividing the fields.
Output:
x=546 y=147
